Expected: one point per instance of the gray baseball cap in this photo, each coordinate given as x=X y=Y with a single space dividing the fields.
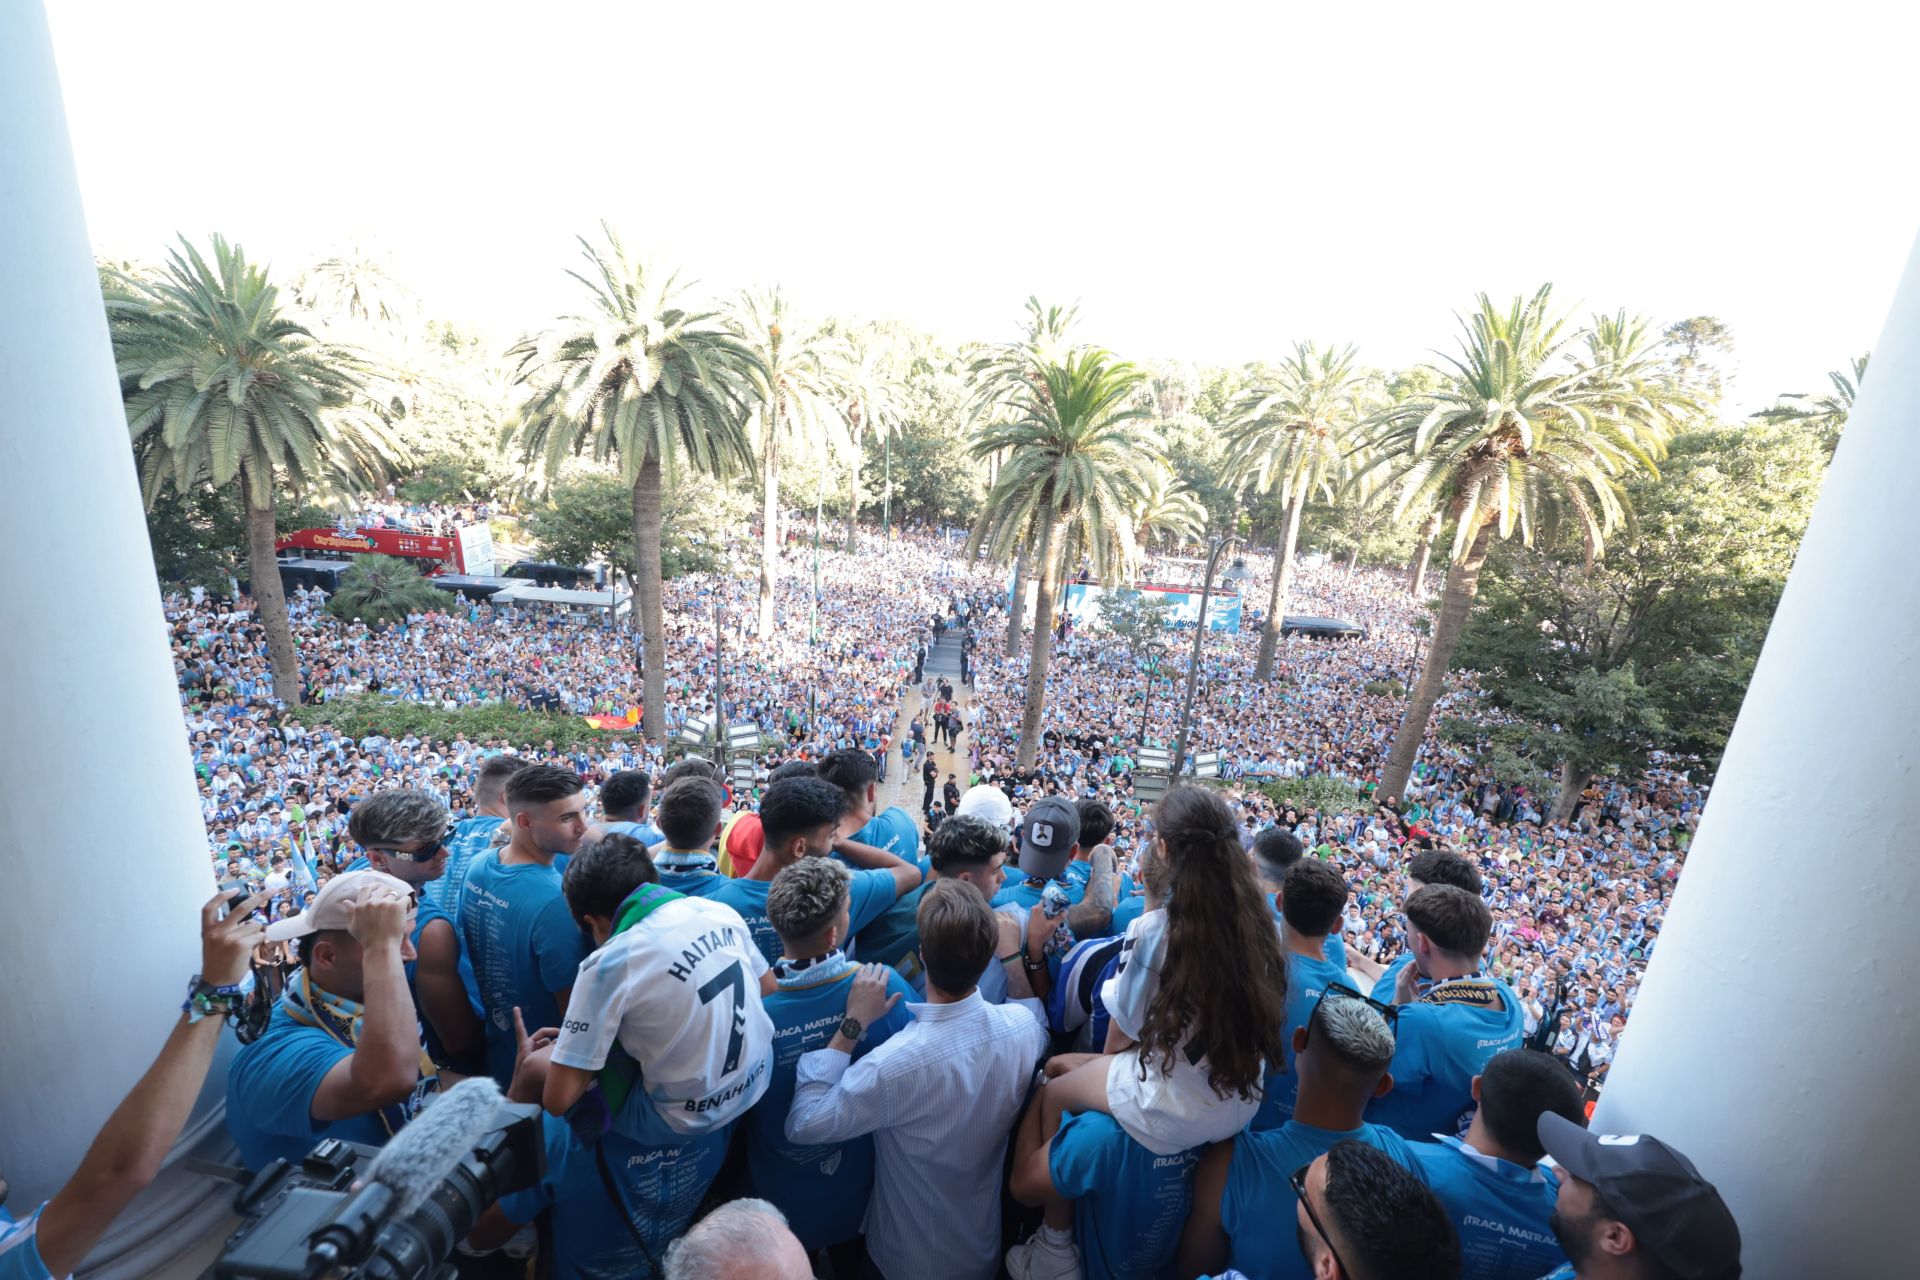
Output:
x=1047 y=838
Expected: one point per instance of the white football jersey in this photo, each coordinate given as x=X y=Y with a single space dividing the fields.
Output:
x=680 y=991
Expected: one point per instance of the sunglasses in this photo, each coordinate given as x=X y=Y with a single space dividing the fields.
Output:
x=1299 y=1184
x=1339 y=991
x=425 y=853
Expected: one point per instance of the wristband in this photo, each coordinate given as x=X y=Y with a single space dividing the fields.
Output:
x=1014 y=955
x=205 y=999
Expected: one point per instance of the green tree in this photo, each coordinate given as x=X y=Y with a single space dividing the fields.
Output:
x=199 y=537
x=1170 y=512
x=1697 y=345
x=588 y=519
x=1521 y=436
x=1289 y=436
x=795 y=393
x=1653 y=645
x=1074 y=473
x=868 y=391
x=1825 y=416
x=383 y=590
x=641 y=378
x=223 y=389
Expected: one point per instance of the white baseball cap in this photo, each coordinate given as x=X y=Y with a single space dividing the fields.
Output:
x=329 y=909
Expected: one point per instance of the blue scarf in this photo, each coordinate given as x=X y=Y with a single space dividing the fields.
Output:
x=814 y=972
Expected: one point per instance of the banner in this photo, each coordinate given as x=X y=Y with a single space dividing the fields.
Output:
x=476 y=549
x=1223 y=610
x=386 y=542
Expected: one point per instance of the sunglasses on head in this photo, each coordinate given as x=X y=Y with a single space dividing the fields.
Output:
x=1340 y=991
x=425 y=853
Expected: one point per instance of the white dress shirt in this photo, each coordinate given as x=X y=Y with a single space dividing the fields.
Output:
x=940 y=1098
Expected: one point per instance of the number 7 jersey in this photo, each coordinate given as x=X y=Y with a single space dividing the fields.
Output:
x=680 y=993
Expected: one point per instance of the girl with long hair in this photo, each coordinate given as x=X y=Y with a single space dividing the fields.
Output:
x=1197 y=1006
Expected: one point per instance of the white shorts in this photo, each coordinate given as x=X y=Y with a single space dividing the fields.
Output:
x=1168 y=1114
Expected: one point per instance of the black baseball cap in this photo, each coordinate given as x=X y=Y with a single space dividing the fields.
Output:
x=1676 y=1215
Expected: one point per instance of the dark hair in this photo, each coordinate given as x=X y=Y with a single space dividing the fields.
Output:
x=541 y=784
x=304 y=944
x=1458 y=922
x=1391 y=1225
x=964 y=843
x=1096 y=823
x=491 y=782
x=957 y=935
x=1516 y=1088
x=1277 y=849
x=850 y=770
x=603 y=874
x=795 y=806
x=1313 y=897
x=626 y=793
x=1224 y=981
x=807 y=897
x=689 y=811
x=399 y=815
x=691 y=767
x=793 y=769
x=1444 y=866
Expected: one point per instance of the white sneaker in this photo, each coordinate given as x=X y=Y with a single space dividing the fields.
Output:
x=1038 y=1259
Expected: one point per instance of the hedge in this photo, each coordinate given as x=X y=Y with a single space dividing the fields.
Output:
x=1316 y=792
x=364 y=714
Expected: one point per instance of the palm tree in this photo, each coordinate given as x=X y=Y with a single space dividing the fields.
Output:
x=794 y=386
x=1521 y=436
x=355 y=284
x=1003 y=376
x=1827 y=415
x=1290 y=436
x=640 y=377
x=380 y=590
x=1170 y=512
x=221 y=388
x=1075 y=472
x=869 y=394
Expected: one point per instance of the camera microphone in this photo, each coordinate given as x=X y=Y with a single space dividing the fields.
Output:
x=412 y=1166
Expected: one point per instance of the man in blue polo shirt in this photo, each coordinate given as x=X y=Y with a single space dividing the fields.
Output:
x=1464 y=1017
x=1499 y=1196
x=823 y=1188
x=1243 y=1201
x=1313 y=900
x=1431 y=866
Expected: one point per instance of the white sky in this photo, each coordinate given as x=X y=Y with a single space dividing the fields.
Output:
x=1209 y=182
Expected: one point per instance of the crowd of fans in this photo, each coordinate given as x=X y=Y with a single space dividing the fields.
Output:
x=1042 y=1029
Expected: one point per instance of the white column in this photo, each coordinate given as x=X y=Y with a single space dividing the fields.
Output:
x=103 y=858
x=1776 y=1040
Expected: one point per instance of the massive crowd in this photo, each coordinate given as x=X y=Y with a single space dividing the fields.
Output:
x=1041 y=1028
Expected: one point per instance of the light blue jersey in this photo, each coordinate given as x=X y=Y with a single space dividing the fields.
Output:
x=660 y=1185
x=523 y=942
x=1129 y=1204
x=1307 y=980
x=1500 y=1209
x=1442 y=1040
x=471 y=838
x=869 y=894
x=823 y=1188
x=1257 y=1207
x=20 y=1248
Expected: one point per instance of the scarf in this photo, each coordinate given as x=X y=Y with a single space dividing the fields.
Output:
x=341 y=1018
x=685 y=860
x=1472 y=988
x=813 y=972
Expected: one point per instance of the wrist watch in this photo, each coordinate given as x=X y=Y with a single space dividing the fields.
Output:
x=852 y=1028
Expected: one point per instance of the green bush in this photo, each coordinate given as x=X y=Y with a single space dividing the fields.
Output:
x=371 y=713
x=1386 y=688
x=1315 y=792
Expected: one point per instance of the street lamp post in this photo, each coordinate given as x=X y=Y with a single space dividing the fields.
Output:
x=1152 y=661
x=719 y=659
x=1238 y=573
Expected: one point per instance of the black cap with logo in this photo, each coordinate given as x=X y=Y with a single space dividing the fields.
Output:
x=1676 y=1215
